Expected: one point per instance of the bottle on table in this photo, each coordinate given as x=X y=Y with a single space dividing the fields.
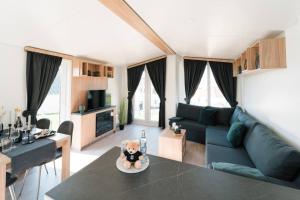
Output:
x=143 y=144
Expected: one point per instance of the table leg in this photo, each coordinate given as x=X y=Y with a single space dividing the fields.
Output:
x=65 y=160
x=2 y=180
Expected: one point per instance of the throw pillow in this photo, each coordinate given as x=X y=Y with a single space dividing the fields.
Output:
x=236 y=133
x=208 y=116
x=239 y=170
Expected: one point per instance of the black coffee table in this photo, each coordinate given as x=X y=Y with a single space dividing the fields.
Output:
x=163 y=180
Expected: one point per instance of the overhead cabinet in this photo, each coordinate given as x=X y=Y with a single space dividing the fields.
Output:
x=90 y=68
x=263 y=55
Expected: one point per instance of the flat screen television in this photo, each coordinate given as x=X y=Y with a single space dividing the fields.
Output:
x=96 y=99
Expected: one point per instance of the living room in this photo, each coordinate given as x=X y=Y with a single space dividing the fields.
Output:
x=204 y=92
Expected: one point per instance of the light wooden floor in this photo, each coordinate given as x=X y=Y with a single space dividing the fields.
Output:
x=79 y=159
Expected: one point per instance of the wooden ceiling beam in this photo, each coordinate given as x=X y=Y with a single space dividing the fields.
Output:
x=47 y=52
x=209 y=59
x=146 y=61
x=126 y=13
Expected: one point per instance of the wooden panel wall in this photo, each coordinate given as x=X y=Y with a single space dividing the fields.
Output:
x=80 y=86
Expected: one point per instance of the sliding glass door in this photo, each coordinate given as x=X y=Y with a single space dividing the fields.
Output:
x=56 y=106
x=146 y=102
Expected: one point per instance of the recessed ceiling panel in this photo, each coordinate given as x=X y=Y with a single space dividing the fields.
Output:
x=77 y=27
x=216 y=27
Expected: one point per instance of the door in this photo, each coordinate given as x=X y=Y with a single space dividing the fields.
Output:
x=56 y=106
x=146 y=102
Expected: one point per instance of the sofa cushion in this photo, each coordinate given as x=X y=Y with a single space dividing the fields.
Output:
x=191 y=125
x=217 y=136
x=187 y=111
x=240 y=170
x=247 y=120
x=216 y=153
x=236 y=134
x=272 y=155
x=223 y=115
x=235 y=115
x=208 y=116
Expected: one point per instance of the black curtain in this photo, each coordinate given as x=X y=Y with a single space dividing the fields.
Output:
x=157 y=73
x=193 y=72
x=134 y=75
x=41 y=71
x=225 y=80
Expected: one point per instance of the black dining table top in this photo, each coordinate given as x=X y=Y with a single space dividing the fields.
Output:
x=163 y=180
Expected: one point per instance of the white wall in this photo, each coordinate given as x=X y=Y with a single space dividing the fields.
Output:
x=274 y=97
x=114 y=86
x=171 y=87
x=12 y=78
x=180 y=79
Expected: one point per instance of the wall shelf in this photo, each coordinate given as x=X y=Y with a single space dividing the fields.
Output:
x=83 y=67
x=264 y=55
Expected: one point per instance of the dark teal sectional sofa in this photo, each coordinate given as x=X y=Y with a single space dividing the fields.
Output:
x=188 y=117
x=261 y=147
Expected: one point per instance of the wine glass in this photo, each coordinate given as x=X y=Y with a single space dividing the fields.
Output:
x=15 y=135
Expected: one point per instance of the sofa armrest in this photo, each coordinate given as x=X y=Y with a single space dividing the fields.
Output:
x=174 y=119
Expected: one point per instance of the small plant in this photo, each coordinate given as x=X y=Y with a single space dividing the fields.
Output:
x=123 y=113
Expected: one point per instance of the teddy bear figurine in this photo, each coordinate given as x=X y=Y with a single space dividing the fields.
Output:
x=131 y=156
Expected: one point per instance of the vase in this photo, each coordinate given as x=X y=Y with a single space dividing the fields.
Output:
x=121 y=126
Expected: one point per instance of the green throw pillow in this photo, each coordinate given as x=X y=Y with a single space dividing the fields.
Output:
x=208 y=116
x=236 y=134
x=239 y=170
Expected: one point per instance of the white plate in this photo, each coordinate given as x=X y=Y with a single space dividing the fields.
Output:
x=132 y=170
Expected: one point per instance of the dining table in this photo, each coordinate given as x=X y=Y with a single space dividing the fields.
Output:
x=164 y=179
x=62 y=141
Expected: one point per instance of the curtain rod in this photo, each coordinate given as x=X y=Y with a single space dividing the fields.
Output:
x=146 y=61
x=209 y=59
x=51 y=53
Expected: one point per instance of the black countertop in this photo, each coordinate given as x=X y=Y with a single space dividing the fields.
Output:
x=163 y=180
x=92 y=111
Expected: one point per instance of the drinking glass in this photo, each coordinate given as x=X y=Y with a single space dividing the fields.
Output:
x=14 y=136
x=6 y=144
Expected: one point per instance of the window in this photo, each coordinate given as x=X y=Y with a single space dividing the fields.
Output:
x=208 y=92
x=55 y=106
x=50 y=107
x=139 y=100
x=146 y=102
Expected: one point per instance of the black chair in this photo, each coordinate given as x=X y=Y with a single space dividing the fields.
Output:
x=10 y=180
x=66 y=128
x=43 y=123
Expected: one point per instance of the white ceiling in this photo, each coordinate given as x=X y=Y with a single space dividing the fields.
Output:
x=214 y=28
x=77 y=27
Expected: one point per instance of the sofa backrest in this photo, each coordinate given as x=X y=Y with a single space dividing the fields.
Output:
x=223 y=115
x=188 y=111
x=235 y=115
x=271 y=155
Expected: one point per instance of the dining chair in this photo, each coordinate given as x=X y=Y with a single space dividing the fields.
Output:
x=65 y=127
x=10 y=180
x=43 y=123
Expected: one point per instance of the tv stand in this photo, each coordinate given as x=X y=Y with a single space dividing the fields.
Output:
x=92 y=125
